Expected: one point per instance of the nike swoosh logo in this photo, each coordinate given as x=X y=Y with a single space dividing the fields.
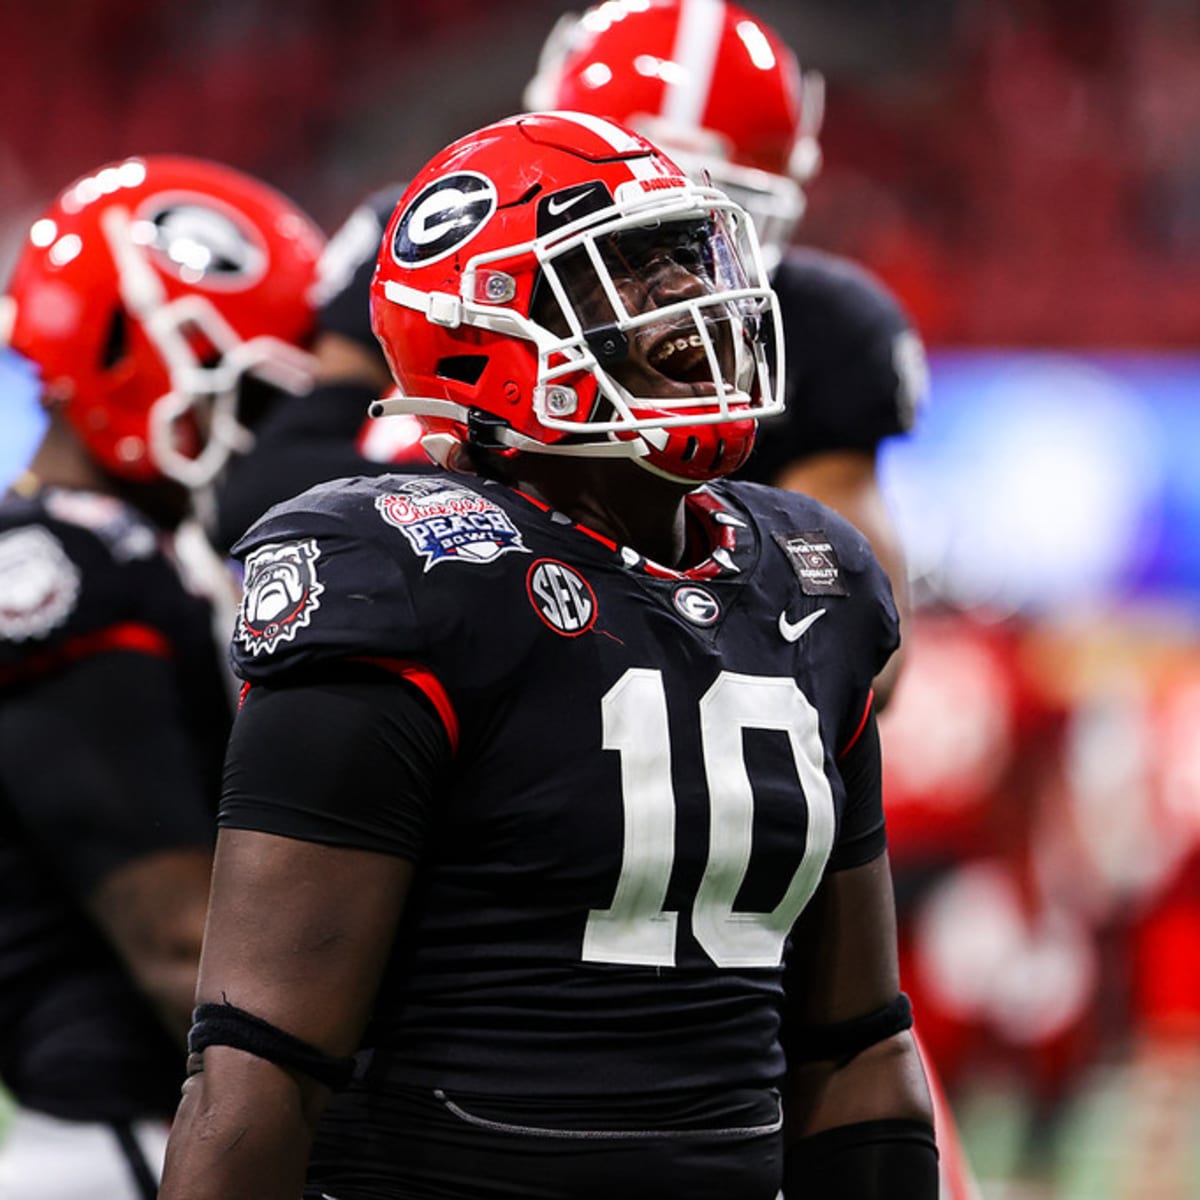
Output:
x=556 y=206
x=792 y=633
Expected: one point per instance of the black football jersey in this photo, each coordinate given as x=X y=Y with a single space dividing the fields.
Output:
x=347 y=264
x=855 y=370
x=644 y=788
x=83 y=578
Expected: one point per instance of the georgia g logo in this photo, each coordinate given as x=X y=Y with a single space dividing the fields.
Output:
x=444 y=215
x=191 y=237
x=280 y=594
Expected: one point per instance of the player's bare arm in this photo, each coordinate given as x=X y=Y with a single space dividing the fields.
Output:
x=152 y=910
x=849 y=1000
x=305 y=958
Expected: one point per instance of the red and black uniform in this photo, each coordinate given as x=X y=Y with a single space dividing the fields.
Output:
x=113 y=715
x=620 y=784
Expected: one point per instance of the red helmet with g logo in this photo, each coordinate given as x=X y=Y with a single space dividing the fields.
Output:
x=712 y=85
x=554 y=284
x=146 y=292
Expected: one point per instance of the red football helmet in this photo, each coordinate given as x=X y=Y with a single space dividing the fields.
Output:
x=713 y=86
x=553 y=283
x=145 y=293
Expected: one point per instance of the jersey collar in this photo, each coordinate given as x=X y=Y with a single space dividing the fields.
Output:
x=723 y=535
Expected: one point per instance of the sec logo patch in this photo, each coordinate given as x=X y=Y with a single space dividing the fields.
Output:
x=561 y=597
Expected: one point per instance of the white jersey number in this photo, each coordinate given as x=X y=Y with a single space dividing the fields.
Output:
x=636 y=929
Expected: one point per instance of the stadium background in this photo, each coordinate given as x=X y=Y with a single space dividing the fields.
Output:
x=1025 y=174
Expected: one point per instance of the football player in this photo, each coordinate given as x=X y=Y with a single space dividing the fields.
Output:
x=155 y=298
x=723 y=94
x=552 y=812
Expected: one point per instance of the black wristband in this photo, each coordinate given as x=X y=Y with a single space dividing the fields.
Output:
x=870 y=1160
x=227 y=1025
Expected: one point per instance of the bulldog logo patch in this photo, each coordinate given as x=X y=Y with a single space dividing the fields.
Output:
x=38 y=583
x=444 y=523
x=280 y=594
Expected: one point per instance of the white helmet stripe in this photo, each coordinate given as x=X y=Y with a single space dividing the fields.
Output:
x=619 y=139
x=697 y=42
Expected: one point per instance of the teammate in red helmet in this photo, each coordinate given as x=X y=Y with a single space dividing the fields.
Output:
x=156 y=298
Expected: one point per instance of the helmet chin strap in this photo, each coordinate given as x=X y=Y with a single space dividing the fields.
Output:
x=427 y=406
x=649 y=466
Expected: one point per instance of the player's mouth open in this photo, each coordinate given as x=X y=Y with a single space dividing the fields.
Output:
x=681 y=356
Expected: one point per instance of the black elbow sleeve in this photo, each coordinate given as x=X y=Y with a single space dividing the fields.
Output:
x=870 y=1160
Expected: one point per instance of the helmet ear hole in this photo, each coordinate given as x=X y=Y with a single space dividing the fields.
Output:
x=462 y=368
x=116 y=340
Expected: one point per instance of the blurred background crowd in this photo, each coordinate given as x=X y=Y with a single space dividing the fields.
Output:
x=1025 y=175
x=1021 y=171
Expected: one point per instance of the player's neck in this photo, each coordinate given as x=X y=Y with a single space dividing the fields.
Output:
x=61 y=461
x=617 y=500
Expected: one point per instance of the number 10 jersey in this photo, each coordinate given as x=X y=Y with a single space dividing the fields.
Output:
x=640 y=787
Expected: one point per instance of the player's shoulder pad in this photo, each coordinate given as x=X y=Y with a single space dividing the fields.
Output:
x=828 y=557
x=856 y=368
x=69 y=565
x=840 y=312
x=352 y=569
x=780 y=512
x=858 y=299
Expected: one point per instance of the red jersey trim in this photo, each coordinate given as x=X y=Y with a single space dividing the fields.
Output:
x=862 y=724
x=128 y=636
x=598 y=537
x=421 y=677
x=532 y=500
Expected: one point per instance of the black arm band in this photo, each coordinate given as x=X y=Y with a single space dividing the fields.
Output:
x=227 y=1025
x=871 y=1160
x=841 y=1041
